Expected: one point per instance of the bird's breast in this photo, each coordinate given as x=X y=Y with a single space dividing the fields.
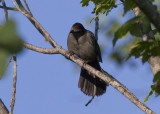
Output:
x=86 y=50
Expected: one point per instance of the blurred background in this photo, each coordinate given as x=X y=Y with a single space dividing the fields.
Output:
x=48 y=84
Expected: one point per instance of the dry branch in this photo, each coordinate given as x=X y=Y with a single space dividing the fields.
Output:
x=3 y=109
x=5 y=9
x=27 y=7
x=10 y=8
x=14 y=84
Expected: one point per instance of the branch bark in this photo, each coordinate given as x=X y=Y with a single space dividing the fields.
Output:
x=3 y=109
x=14 y=84
x=148 y=9
x=102 y=75
x=14 y=67
x=27 y=7
x=5 y=10
x=41 y=50
x=96 y=25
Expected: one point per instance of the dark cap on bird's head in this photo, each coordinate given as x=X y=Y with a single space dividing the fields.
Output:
x=77 y=27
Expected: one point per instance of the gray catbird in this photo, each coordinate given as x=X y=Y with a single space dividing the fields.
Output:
x=83 y=43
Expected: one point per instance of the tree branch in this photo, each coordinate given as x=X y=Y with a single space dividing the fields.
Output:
x=5 y=9
x=148 y=9
x=27 y=7
x=10 y=8
x=41 y=50
x=3 y=109
x=14 y=84
x=96 y=25
x=102 y=75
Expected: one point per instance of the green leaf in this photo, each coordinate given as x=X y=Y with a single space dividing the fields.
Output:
x=9 y=39
x=155 y=31
x=146 y=23
x=85 y=2
x=104 y=6
x=145 y=50
x=117 y=56
x=130 y=26
x=128 y=5
x=10 y=43
x=157 y=77
x=136 y=51
x=3 y=58
x=135 y=30
x=157 y=83
x=150 y=93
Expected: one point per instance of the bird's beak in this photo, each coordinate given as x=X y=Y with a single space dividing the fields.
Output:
x=71 y=31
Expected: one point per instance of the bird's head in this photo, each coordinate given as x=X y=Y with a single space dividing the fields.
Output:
x=77 y=28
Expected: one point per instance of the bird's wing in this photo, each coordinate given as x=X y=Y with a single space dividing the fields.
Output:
x=97 y=48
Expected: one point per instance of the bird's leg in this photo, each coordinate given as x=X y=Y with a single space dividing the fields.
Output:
x=84 y=63
x=70 y=54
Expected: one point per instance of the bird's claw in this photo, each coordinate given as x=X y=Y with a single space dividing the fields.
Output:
x=70 y=54
x=84 y=63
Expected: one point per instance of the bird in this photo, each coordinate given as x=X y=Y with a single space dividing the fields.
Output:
x=83 y=43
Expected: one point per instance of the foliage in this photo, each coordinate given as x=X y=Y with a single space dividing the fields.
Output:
x=128 y=5
x=150 y=93
x=145 y=50
x=102 y=6
x=10 y=43
x=130 y=26
x=155 y=87
x=140 y=49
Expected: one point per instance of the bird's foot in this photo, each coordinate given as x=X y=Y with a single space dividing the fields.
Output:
x=70 y=54
x=84 y=63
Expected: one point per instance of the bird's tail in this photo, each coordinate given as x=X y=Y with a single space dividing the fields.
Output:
x=91 y=85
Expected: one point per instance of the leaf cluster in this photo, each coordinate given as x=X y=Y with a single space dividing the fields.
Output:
x=10 y=43
x=102 y=6
x=145 y=50
x=155 y=87
x=135 y=28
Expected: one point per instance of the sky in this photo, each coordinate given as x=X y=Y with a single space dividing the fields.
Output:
x=48 y=84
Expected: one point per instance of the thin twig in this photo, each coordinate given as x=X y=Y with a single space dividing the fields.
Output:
x=9 y=61
x=18 y=8
x=27 y=7
x=14 y=84
x=5 y=10
x=10 y=8
x=14 y=68
x=96 y=25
